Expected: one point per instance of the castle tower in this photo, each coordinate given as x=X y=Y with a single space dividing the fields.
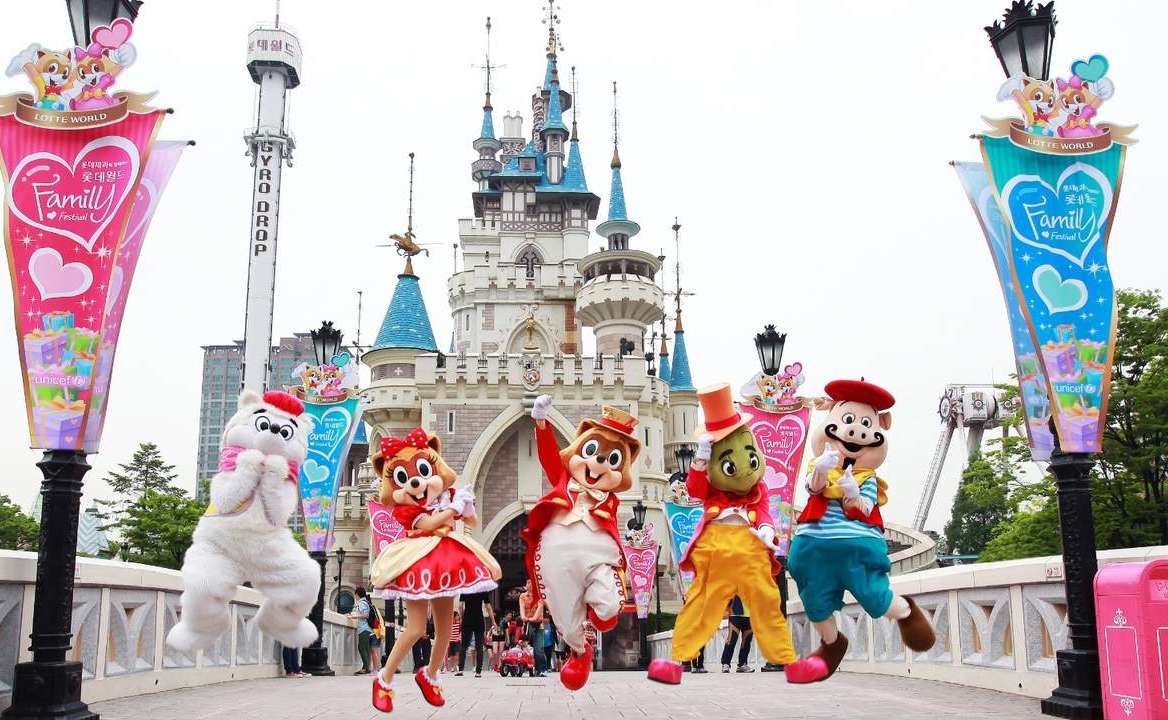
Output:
x=486 y=145
x=683 y=396
x=619 y=299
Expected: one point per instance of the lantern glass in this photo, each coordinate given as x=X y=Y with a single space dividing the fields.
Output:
x=684 y=456
x=769 y=344
x=1009 y=52
x=340 y=554
x=1036 y=42
x=84 y=15
x=326 y=342
x=639 y=515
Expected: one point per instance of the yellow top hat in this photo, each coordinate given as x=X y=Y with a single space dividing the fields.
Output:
x=722 y=418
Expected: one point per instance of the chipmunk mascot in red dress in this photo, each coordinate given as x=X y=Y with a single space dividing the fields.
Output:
x=839 y=542
x=430 y=564
x=573 y=544
x=734 y=545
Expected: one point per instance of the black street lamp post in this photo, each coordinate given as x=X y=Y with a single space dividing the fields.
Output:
x=769 y=344
x=1022 y=41
x=637 y=522
x=50 y=685
x=340 y=578
x=326 y=341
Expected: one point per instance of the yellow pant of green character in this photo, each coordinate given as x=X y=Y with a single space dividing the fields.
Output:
x=728 y=560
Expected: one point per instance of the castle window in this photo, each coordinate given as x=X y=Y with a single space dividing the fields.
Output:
x=450 y=422
x=529 y=258
x=527 y=164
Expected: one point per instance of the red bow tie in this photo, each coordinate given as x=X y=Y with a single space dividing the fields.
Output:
x=416 y=438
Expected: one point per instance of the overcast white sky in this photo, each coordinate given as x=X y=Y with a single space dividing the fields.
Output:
x=804 y=147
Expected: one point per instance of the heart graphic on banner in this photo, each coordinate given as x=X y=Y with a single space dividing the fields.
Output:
x=384 y=524
x=1091 y=70
x=1059 y=295
x=315 y=472
x=333 y=426
x=44 y=185
x=780 y=439
x=988 y=208
x=1067 y=220
x=55 y=278
x=683 y=524
x=115 y=35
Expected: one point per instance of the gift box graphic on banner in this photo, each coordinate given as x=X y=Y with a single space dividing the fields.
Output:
x=73 y=161
x=334 y=425
x=1057 y=194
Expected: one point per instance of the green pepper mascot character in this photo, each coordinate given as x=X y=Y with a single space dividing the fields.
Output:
x=734 y=545
x=839 y=542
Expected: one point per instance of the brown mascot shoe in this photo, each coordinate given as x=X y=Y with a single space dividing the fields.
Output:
x=916 y=630
x=819 y=665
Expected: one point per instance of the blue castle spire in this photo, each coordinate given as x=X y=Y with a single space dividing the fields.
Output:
x=680 y=379
x=406 y=323
x=555 y=114
x=616 y=196
x=574 y=180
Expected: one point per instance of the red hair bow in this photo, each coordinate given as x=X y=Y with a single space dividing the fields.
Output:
x=416 y=438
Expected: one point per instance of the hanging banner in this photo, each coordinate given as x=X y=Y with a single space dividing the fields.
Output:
x=781 y=437
x=161 y=163
x=1057 y=183
x=1031 y=378
x=683 y=517
x=641 y=560
x=335 y=419
x=384 y=526
x=72 y=156
x=778 y=417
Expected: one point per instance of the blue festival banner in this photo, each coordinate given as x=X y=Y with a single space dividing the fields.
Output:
x=683 y=521
x=328 y=447
x=1031 y=379
x=1056 y=181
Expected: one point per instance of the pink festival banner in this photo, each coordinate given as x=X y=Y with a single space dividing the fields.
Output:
x=641 y=560
x=73 y=156
x=385 y=528
x=782 y=435
x=159 y=166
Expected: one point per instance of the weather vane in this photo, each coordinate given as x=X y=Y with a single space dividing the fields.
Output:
x=488 y=66
x=551 y=20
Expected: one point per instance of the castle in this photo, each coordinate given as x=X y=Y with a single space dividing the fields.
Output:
x=527 y=290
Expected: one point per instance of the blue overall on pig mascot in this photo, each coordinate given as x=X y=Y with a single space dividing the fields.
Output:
x=839 y=543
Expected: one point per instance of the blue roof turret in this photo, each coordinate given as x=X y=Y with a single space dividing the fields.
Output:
x=406 y=323
x=555 y=114
x=680 y=379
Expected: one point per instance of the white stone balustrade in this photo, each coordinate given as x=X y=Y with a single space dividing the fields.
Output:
x=121 y=615
x=998 y=625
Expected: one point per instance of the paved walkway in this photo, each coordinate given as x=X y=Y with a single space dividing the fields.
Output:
x=608 y=696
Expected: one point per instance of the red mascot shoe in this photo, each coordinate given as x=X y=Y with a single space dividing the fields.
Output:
x=577 y=668
x=382 y=698
x=665 y=671
x=432 y=692
x=603 y=625
x=808 y=670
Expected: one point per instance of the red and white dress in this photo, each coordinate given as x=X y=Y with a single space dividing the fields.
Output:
x=433 y=564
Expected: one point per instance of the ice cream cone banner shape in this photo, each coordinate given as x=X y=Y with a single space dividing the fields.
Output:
x=73 y=155
x=334 y=425
x=1031 y=378
x=1055 y=175
x=683 y=521
x=641 y=561
x=781 y=436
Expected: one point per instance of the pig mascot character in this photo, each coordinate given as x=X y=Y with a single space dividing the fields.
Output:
x=839 y=542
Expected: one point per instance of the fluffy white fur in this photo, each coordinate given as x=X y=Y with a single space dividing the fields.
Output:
x=254 y=545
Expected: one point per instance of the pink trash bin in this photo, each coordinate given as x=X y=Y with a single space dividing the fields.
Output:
x=1131 y=614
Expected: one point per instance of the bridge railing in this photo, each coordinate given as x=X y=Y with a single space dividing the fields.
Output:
x=998 y=625
x=121 y=615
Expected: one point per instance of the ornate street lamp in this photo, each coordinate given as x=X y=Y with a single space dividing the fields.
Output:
x=638 y=520
x=340 y=575
x=326 y=342
x=684 y=454
x=769 y=344
x=85 y=15
x=1022 y=39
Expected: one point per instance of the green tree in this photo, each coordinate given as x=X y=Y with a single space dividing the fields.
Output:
x=157 y=528
x=17 y=530
x=981 y=505
x=1033 y=531
x=146 y=472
